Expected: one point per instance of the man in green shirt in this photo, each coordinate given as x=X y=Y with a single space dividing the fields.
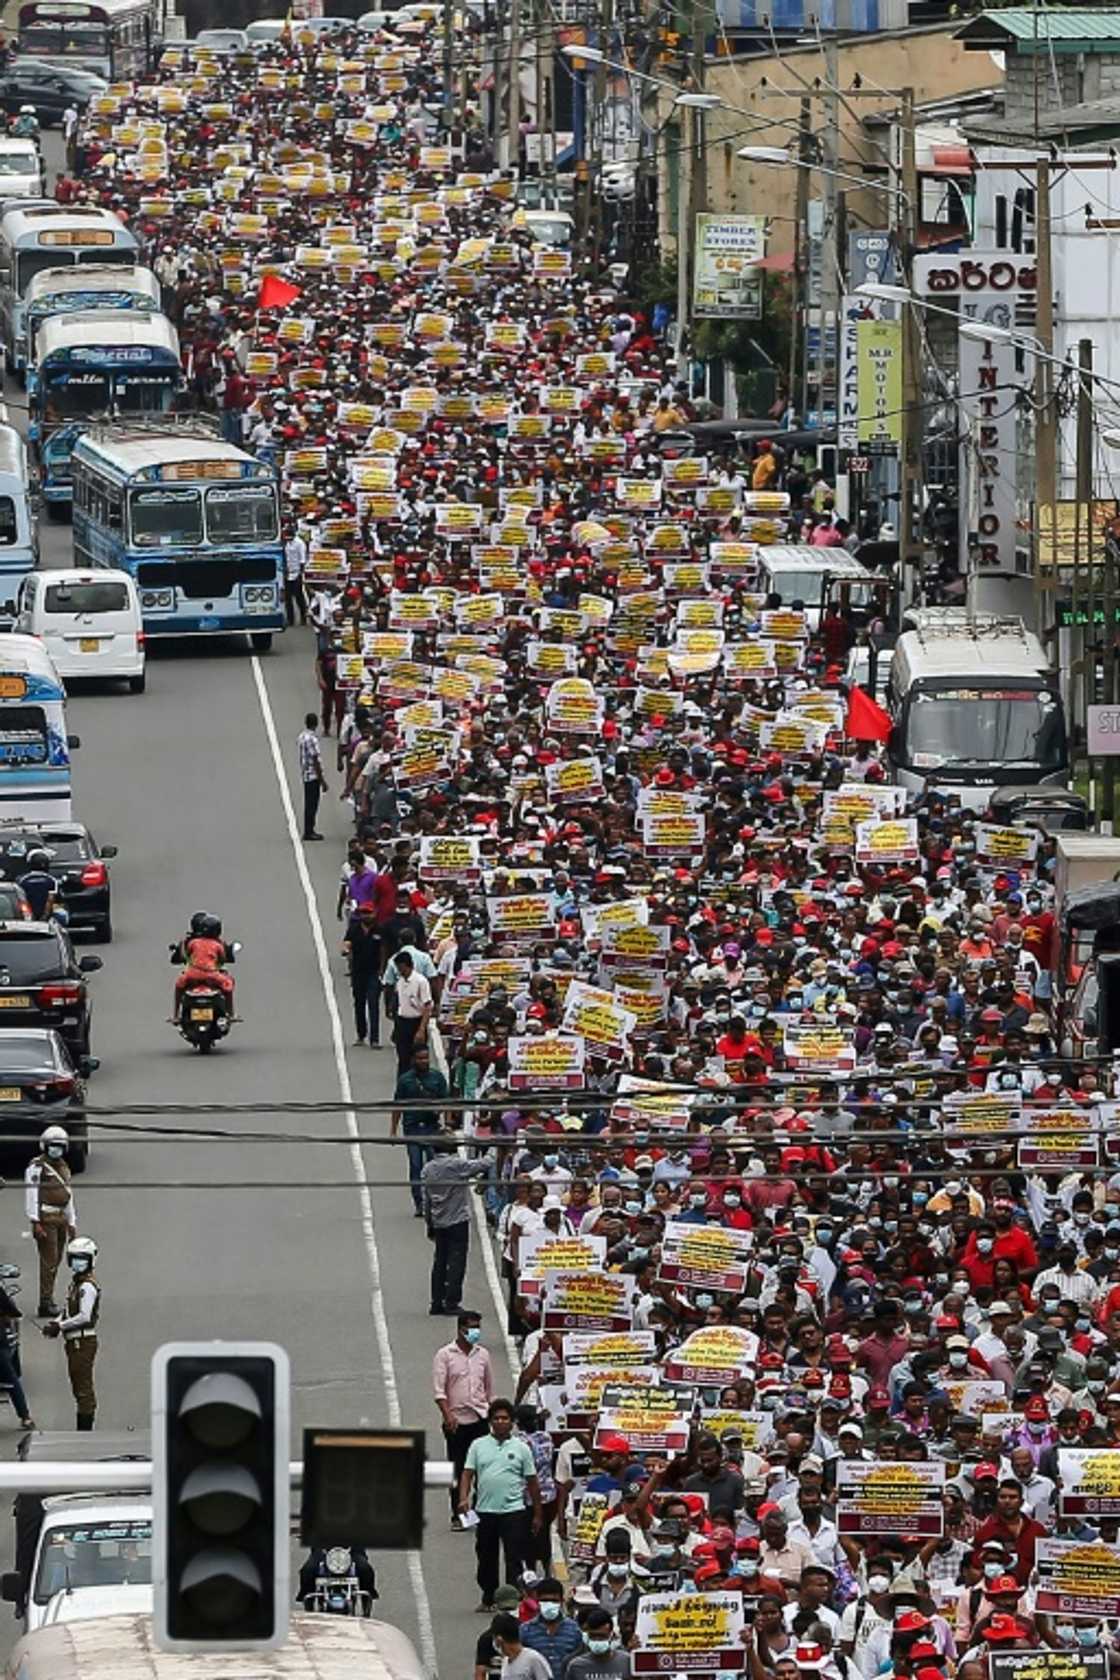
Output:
x=500 y=1484
x=420 y=1082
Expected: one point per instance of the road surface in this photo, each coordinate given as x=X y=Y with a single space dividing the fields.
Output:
x=243 y=1236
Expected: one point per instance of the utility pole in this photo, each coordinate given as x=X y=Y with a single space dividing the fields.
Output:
x=448 y=74
x=514 y=155
x=800 y=218
x=1047 y=450
x=595 y=184
x=831 y=257
x=911 y=427
x=496 y=43
x=1083 y=639
x=692 y=185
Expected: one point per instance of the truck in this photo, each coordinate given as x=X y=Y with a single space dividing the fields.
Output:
x=974 y=707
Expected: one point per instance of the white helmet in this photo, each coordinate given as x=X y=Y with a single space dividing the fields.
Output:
x=27 y=110
x=81 y=1248
x=55 y=1134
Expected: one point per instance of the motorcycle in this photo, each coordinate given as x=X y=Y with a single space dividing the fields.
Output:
x=204 y=1010
x=338 y=1581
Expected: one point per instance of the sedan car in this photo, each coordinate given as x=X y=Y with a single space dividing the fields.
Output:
x=76 y=861
x=43 y=983
x=48 y=88
x=42 y=1084
x=223 y=42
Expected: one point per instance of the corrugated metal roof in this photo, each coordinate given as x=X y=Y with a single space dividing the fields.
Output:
x=1023 y=24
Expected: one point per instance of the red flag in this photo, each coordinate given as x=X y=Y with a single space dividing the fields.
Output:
x=866 y=720
x=276 y=293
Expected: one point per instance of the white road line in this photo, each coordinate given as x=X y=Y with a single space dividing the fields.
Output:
x=369 y=1236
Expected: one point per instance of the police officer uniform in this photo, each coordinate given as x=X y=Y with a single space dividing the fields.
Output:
x=54 y=1219
x=79 y=1333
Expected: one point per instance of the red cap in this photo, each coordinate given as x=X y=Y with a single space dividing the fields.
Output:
x=1004 y=1584
x=985 y=1472
x=1036 y=1409
x=911 y=1621
x=708 y=1571
x=1002 y=1629
x=614 y=1444
x=878 y=1397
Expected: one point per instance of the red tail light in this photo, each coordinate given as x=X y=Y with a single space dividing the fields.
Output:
x=94 y=875
x=53 y=1090
x=59 y=996
x=140 y=638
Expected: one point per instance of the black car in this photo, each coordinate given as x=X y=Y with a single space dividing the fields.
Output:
x=48 y=88
x=76 y=861
x=42 y=982
x=41 y=1084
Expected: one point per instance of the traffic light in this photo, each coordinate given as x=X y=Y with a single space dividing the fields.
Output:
x=221 y=1495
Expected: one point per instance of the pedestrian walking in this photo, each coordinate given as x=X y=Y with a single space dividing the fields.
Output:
x=420 y=1083
x=49 y=1198
x=11 y=1374
x=412 y=995
x=78 y=1328
x=295 y=594
x=445 y=1183
x=463 y=1386
x=311 y=775
x=499 y=1484
x=363 y=947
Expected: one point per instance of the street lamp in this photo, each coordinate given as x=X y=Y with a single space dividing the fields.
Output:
x=775 y=158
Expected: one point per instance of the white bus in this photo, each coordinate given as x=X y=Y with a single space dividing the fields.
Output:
x=974 y=707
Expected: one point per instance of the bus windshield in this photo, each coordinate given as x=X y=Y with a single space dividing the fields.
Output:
x=23 y=736
x=990 y=726
x=69 y=38
x=74 y=396
x=163 y=518
x=107 y=1554
x=241 y=513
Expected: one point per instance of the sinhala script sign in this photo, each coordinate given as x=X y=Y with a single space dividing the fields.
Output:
x=726 y=282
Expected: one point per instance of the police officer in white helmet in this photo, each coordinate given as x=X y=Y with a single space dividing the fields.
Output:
x=78 y=1327
x=49 y=1200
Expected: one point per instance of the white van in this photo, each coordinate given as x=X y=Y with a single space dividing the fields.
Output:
x=93 y=1558
x=21 y=168
x=88 y=620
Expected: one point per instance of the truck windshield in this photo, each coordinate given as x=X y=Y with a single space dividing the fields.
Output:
x=108 y=1554
x=1003 y=727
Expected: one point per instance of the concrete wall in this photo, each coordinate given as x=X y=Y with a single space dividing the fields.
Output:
x=768 y=90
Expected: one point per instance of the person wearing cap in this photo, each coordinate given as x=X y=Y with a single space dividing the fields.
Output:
x=488 y=1660
x=630 y=1520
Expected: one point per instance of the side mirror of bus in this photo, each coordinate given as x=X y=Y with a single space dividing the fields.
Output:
x=11 y=1586
x=9 y=607
x=73 y=741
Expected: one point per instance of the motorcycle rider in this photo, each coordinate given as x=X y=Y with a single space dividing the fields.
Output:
x=315 y=1568
x=26 y=125
x=41 y=887
x=203 y=953
x=50 y=1210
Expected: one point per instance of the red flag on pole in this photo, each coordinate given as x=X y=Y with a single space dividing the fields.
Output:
x=276 y=293
x=866 y=720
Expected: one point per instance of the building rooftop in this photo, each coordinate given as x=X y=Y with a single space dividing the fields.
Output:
x=1025 y=29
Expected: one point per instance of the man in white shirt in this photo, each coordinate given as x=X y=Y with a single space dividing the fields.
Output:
x=295 y=559
x=414 y=1009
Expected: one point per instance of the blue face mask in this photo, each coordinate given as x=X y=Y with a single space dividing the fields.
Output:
x=550 y=1610
x=705 y=1301
x=473 y=1335
x=1088 y=1636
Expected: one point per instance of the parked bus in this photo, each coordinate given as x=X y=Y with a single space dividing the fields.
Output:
x=19 y=540
x=58 y=291
x=95 y=362
x=34 y=745
x=117 y=39
x=52 y=236
x=974 y=705
x=194 y=519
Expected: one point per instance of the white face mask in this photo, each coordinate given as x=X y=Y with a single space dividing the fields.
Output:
x=878 y=1583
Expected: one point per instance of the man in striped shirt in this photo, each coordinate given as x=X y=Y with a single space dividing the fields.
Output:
x=311 y=775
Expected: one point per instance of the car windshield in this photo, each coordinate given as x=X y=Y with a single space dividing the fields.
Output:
x=25 y=1052
x=17 y=163
x=9 y=530
x=241 y=513
x=28 y=959
x=163 y=518
x=799 y=586
x=110 y=1554
x=86 y=597
x=987 y=726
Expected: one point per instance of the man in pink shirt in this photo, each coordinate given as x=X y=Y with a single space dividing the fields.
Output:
x=463 y=1386
x=774 y=1192
x=880 y=1352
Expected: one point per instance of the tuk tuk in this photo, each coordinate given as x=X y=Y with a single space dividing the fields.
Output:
x=1052 y=809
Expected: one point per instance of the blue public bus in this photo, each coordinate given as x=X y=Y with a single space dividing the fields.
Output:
x=194 y=519
x=90 y=364
x=48 y=235
x=59 y=291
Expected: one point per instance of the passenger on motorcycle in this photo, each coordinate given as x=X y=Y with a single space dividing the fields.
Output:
x=41 y=887
x=203 y=953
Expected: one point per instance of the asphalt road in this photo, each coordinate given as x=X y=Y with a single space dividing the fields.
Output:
x=239 y=1236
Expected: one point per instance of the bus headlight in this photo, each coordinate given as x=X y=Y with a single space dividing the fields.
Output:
x=154 y=598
